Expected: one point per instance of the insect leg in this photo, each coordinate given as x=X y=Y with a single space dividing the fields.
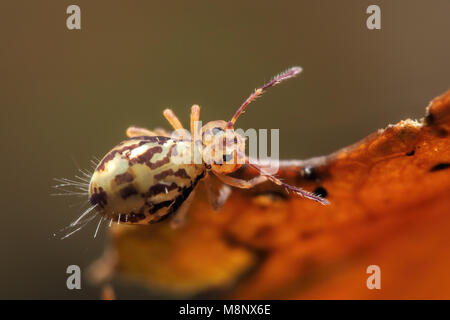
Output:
x=240 y=183
x=173 y=119
x=296 y=190
x=195 y=117
x=175 y=123
x=179 y=219
x=217 y=191
x=136 y=132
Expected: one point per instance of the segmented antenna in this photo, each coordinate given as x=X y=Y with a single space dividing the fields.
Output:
x=290 y=73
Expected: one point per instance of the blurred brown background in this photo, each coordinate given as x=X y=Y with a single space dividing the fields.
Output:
x=67 y=96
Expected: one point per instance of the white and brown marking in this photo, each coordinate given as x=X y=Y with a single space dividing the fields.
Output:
x=143 y=179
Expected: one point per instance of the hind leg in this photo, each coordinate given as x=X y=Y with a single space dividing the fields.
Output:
x=179 y=219
x=136 y=132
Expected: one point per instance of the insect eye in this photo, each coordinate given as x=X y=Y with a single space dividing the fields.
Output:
x=216 y=130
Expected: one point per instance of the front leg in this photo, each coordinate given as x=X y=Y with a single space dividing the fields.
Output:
x=240 y=183
x=217 y=191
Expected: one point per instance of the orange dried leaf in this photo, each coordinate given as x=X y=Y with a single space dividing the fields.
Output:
x=390 y=206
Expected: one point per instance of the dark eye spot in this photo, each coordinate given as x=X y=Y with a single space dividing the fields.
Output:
x=411 y=153
x=227 y=157
x=321 y=191
x=440 y=166
x=216 y=130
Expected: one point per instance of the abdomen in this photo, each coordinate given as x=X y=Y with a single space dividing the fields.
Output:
x=143 y=179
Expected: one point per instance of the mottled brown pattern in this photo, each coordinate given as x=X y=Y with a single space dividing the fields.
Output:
x=123 y=178
x=98 y=197
x=177 y=202
x=179 y=173
x=135 y=217
x=156 y=207
x=159 y=188
x=142 y=140
x=128 y=191
x=146 y=157
x=165 y=160
x=113 y=153
x=152 y=139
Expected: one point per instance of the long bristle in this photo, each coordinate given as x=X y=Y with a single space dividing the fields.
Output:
x=90 y=214
x=77 y=186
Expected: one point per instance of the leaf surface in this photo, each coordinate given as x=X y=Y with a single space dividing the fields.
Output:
x=390 y=206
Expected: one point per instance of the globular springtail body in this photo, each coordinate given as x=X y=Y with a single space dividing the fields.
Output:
x=146 y=178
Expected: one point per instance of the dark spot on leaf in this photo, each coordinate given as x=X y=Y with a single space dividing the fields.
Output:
x=440 y=166
x=307 y=235
x=429 y=119
x=321 y=191
x=264 y=232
